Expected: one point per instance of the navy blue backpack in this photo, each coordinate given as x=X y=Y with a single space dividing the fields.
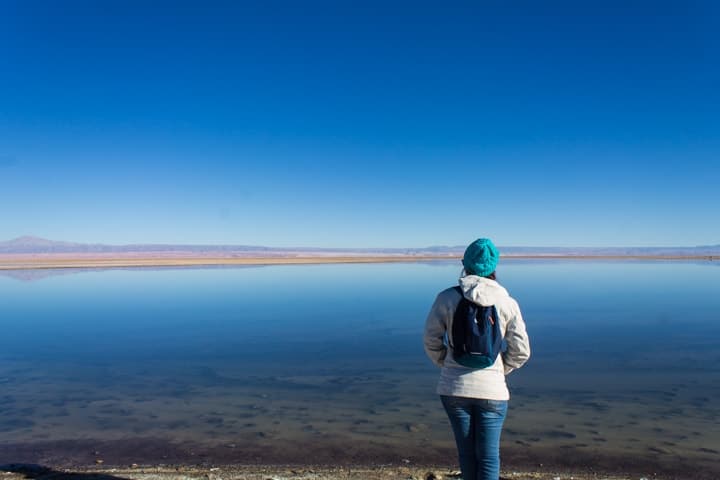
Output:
x=476 y=337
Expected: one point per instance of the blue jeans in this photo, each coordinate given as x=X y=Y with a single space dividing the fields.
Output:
x=477 y=424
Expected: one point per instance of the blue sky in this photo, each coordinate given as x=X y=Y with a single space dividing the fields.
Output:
x=361 y=124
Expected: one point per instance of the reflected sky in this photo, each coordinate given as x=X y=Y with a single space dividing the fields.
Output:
x=267 y=307
x=335 y=351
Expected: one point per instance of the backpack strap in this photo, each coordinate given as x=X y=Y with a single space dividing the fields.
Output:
x=456 y=315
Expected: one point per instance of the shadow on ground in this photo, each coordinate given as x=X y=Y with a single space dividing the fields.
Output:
x=39 y=472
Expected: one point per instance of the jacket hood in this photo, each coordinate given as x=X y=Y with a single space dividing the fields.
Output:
x=482 y=291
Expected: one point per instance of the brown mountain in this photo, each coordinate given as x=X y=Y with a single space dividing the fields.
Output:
x=36 y=245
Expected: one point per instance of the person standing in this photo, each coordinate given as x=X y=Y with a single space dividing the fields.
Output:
x=476 y=399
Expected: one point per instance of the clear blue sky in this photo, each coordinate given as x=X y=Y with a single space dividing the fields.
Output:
x=360 y=124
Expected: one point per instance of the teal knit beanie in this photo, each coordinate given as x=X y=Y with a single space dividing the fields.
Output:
x=481 y=257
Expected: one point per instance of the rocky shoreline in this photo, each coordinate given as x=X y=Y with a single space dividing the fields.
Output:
x=136 y=472
x=150 y=459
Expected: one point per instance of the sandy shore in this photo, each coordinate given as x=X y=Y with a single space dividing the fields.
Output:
x=22 y=472
x=155 y=459
x=7 y=263
x=24 y=262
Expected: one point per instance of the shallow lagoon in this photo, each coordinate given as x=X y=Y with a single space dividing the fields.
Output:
x=324 y=363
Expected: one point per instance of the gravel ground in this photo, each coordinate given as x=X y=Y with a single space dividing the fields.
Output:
x=24 y=471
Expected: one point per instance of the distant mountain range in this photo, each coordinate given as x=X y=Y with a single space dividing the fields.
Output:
x=35 y=245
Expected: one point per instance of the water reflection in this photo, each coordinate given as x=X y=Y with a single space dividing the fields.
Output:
x=269 y=358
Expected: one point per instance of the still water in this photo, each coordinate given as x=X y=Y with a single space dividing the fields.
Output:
x=324 y=363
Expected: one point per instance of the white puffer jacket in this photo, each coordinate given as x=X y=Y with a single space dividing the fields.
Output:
x=457 y=380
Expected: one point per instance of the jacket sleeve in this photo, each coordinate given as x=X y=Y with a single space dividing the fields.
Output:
x=518 y=343
x=435 y=328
